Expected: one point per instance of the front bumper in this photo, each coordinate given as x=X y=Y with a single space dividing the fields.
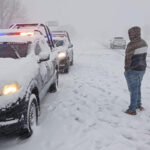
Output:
x=13 y=118
x=9 y=127
x=63 y=64
x=119 y=46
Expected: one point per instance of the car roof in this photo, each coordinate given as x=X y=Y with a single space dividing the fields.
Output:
x=19 y=35
x=65 y=33
x=27 y=24
x=32 y=26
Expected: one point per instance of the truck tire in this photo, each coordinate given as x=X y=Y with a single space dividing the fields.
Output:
x=32 y=117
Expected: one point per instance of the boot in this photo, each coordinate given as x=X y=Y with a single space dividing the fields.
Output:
x=129 y=112
x=140 y=108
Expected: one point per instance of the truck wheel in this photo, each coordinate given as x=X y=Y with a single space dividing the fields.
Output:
x=32 y=118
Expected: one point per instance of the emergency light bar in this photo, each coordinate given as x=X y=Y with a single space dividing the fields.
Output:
x=26 y=33
x=1 y=34
x=18 y=33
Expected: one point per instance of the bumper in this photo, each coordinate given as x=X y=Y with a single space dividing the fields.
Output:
x=9 y=127
x=119 y=46
x=63 y=64
x=12 y=119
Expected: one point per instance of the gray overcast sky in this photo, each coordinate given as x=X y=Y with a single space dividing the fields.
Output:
x=93 y=16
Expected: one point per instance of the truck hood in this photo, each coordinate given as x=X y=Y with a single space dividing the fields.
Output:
x=17 y=70
x=61 y=48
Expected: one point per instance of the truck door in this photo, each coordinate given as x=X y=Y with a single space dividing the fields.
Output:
x=43 y=69
x=50 y=66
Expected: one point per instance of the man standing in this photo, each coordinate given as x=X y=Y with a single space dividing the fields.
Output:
x=135 y=66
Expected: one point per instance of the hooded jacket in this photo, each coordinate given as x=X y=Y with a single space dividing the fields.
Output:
x=136 y=51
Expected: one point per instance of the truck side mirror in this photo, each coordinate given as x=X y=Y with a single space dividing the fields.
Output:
x=70 y=46
x=43 y=57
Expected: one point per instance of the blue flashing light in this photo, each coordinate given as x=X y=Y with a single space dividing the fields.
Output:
x=59 y=35
x=53 y=36
x=2 y=34
x=50 y=36
x=15 y=33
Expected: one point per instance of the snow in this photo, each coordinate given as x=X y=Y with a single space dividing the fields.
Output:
x=16 y=71
x=87 y=112
x=23 y=70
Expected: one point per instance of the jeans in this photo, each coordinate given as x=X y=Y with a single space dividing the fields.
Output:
x=134 y=80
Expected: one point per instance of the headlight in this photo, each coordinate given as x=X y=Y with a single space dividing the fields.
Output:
x=10 y=89
x=62 y=55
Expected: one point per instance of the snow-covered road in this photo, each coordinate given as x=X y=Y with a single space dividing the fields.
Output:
x=87 y=112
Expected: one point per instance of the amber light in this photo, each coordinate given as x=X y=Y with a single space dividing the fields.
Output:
x=10 y=89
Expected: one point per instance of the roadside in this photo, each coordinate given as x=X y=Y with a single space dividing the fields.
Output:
x=87 y=113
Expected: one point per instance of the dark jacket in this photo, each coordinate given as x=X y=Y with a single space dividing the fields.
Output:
x=136 y=51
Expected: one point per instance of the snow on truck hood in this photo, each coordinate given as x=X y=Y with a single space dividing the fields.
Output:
x=61 y=48
x=19 y=71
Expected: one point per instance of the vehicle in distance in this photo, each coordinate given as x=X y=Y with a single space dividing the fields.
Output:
x=118 y=42
x=64 y=46
x=28 y=72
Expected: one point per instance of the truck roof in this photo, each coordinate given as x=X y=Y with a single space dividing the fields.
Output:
x=26 y=24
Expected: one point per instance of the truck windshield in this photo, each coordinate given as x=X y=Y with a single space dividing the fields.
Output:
x=58 y=43
x=13 y=50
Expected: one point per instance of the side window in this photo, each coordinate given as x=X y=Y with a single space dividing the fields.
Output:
x=37 y=49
